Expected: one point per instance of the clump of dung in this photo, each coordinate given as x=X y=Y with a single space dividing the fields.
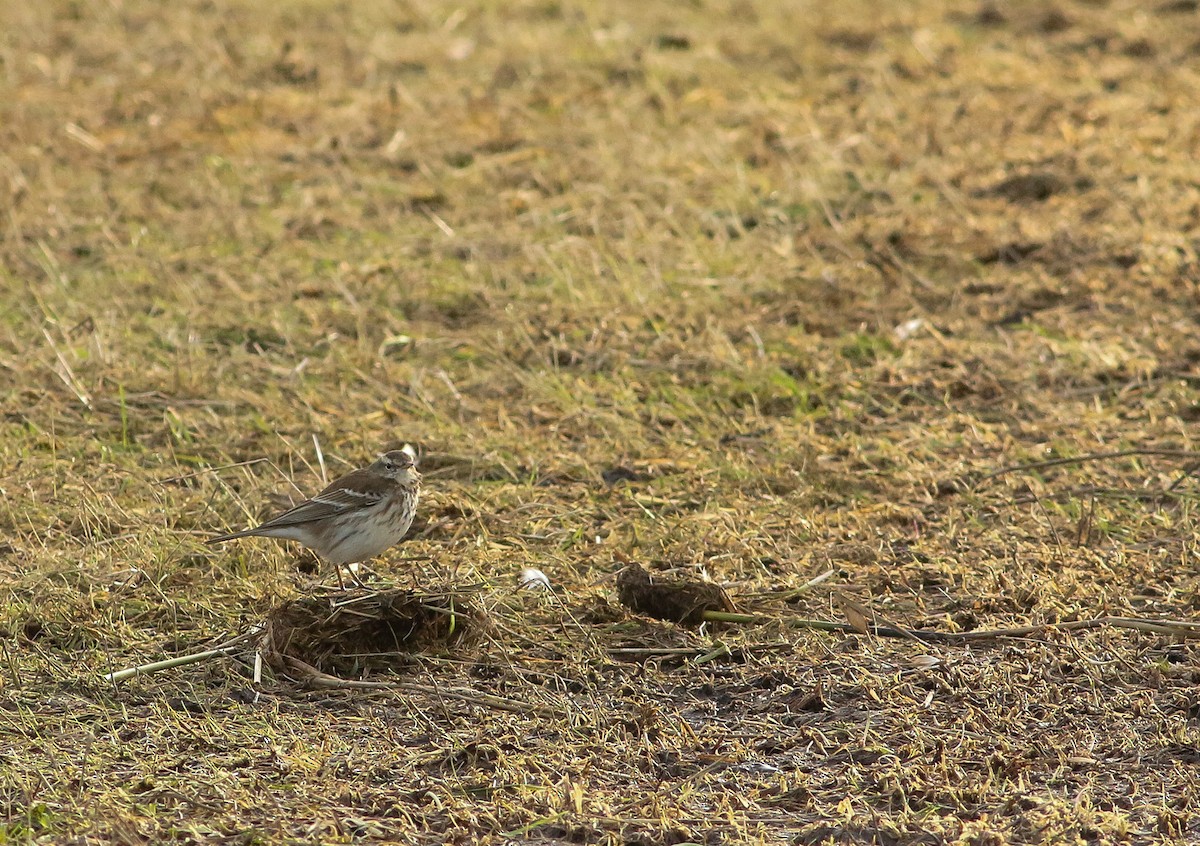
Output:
x=678 y=600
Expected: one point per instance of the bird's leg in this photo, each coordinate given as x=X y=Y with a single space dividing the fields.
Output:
x=337 y=568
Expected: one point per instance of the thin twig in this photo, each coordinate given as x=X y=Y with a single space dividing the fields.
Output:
x=320 y=679
x=1080 y=459
x=145 y=669
x=1115 y=493
x=729 y=617
x=626 y=652
x=655 y=651
x=224 y=649
x=721 y=651
x=797 y=592
x=1176 y=628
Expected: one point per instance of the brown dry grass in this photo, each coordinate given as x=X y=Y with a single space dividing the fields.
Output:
x=632 y=276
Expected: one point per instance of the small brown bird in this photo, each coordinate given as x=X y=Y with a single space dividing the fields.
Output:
x=356 y=517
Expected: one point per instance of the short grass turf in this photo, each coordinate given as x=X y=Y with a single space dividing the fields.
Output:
x=804 y=298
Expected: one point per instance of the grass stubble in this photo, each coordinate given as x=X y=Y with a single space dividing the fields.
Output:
x=883 y=318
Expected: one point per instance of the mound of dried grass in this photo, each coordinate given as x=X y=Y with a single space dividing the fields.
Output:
x=354 y=631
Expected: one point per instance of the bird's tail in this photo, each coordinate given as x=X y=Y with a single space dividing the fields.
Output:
x=234 y=536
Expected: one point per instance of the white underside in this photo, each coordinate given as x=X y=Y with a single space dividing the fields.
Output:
x=359 y=546
x=362 y=537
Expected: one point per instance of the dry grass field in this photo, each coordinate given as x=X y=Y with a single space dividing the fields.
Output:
x=882 y=316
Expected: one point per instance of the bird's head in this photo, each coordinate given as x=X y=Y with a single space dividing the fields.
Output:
x=398 y=464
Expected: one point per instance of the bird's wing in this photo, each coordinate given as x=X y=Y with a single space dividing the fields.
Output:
x=350 y=493
x=334 y=500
